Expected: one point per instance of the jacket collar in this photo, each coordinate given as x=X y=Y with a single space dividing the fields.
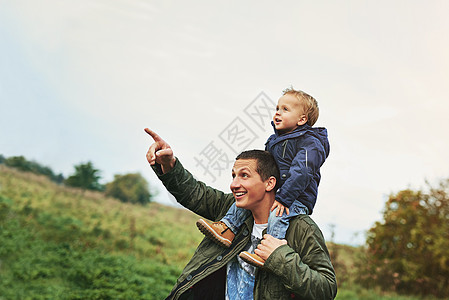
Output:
x=278 y=137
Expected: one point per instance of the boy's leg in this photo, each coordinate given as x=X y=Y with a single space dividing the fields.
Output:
x=235 y=217
x=223 y=231
x=277 y=227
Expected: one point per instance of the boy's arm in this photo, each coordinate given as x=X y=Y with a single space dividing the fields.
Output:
x=304 y=166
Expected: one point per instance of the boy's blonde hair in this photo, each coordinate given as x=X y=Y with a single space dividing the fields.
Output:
x=309 y=104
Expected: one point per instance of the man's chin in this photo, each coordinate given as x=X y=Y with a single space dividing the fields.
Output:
x=240 y=204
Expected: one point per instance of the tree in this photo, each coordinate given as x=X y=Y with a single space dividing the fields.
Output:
x=129 y=188
x=409 y=251
x=85 y=177
x=21 y=163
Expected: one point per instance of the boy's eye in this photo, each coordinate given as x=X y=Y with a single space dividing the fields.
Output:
x=285 y=108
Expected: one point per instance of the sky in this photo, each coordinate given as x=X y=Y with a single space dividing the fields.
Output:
x=80 y=80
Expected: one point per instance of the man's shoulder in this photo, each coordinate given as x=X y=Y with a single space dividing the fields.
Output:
x=303 y=223
x=301 y=228
x=303 y=220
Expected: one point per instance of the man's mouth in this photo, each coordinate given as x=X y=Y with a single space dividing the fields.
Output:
x=239 y=194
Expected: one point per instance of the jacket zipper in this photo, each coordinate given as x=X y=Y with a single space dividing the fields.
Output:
x=284 y=145
x=306 y=159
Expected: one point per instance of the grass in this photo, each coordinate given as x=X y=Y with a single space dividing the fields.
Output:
x=89 y=219
x=65 y=243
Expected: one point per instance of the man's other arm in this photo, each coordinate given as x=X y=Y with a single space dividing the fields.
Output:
x=304 y=267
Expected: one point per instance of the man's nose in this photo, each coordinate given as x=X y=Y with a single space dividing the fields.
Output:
x=235 y=183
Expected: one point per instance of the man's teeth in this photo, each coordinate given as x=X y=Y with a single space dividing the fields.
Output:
x=240 y=194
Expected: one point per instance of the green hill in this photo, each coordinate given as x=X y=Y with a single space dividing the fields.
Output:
x=65 y=243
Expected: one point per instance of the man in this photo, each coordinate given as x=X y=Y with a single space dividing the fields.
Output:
x=297 y=267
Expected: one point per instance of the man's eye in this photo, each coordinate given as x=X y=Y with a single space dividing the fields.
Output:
x=245 y=175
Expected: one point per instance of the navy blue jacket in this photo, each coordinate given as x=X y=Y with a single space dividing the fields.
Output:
x=299 y=155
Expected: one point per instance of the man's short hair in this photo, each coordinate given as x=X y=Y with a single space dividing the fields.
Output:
x=309 y=104
x=266 y=165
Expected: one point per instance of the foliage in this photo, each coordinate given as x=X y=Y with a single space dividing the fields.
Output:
x=131 y=188
x=342 y=257
x=357 y=292
x=21 y=163
x=85 y=177
x=38 y=269
x=409 y=251
x=339 y=257
x=62 y=243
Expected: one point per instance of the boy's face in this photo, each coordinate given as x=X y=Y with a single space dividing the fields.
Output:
x=289 y=114
x=247 y=186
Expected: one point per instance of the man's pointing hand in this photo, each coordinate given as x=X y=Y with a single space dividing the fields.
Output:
x=160 y=152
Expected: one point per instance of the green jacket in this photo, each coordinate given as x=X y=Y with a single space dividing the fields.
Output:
x=301 y=269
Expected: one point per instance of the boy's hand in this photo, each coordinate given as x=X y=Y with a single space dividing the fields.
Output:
x=279 y=208
x=160 y=152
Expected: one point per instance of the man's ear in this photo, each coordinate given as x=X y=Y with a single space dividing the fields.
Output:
x=302 y=120
x=270 y=184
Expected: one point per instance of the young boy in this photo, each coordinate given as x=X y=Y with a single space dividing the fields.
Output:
x=299 y=151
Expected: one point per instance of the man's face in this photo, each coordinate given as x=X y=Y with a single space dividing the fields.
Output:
x=289 y=114
x=247 y=185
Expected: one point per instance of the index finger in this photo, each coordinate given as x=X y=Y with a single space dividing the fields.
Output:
x=153 y=134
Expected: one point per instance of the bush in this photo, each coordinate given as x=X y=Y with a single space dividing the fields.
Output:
x=131 y=188
x=409 y=251
x=21 y=163
x=85 y=177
